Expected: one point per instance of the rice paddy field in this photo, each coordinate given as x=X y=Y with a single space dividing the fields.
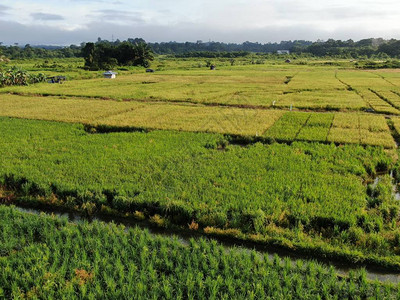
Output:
x=301 y=157
x=266 y=85
x=92 y=261
x=303 y=89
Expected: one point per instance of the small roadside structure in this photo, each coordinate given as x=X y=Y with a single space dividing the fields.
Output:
x=149 y=71
x=56 y=79
x=288 y=61
x=110 y=74
x=212 y=67
x=283 y=52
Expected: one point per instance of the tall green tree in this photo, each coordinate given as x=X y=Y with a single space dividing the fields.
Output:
x=88 y=51
x=104 y=55
x=392 y=48
x=143 y=55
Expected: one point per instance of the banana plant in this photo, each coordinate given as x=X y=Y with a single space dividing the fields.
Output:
x=17 y=76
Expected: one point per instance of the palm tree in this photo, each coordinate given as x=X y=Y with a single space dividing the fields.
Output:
x=143 y=54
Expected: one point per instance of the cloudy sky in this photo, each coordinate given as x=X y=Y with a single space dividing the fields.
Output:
x=73 y=21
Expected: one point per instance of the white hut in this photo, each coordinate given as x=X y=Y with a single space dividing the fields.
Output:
x=110 y=74
x=283 y=52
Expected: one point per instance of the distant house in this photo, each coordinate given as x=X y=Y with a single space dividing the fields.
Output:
x=283 y=52
x=110 y=74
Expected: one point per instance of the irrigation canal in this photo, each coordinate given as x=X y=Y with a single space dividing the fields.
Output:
x=342 y=269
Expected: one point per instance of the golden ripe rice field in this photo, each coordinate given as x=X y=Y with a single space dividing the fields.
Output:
x=356 y=128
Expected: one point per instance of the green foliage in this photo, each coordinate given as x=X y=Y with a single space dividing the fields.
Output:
x=391 y=48
x=248 y=189
x=147 y=179
x=366 y=48
x=30 y=52
x=214 y=54
x=288 y=126
x=301 y=126
x=45 y=257
x=17 y=76
x=363 y=48
x=389 y=64
x=105 y=56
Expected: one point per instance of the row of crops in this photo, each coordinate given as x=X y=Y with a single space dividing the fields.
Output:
x=238 y=86
x=43 y=257
x=340 y=128
x=308 y=195
x=315 y=88
x=378 y=89
x=377 y=103
x=389 y=96
x=311 y=197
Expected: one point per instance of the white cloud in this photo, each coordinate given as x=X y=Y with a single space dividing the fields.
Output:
x=223 y=20
x=46 y=17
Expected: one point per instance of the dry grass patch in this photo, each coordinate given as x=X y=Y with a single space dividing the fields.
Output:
x=57 y=109
x=249 y=122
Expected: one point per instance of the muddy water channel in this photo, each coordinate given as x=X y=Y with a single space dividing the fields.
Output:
x=342 y=269
x=395 y=190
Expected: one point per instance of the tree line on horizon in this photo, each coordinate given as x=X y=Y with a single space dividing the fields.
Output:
x=368 y=48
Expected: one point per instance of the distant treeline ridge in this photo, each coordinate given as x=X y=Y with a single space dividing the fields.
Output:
x=364 y=48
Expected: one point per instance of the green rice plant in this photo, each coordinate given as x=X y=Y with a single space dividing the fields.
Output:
x=365 y=83
x=166 y=116
x=373 y=123
x=377 y=138
x=290 y=196
x=388 y=96
x=361 y=128
x=343 y=135
x=313 y=133
x=48 y=257
x=396 y=124
x=320 y=120
x=378 y=104
x=288 y=126
x=322 y=99
x=362 y=79
x=316 y=128
x=347 y=121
